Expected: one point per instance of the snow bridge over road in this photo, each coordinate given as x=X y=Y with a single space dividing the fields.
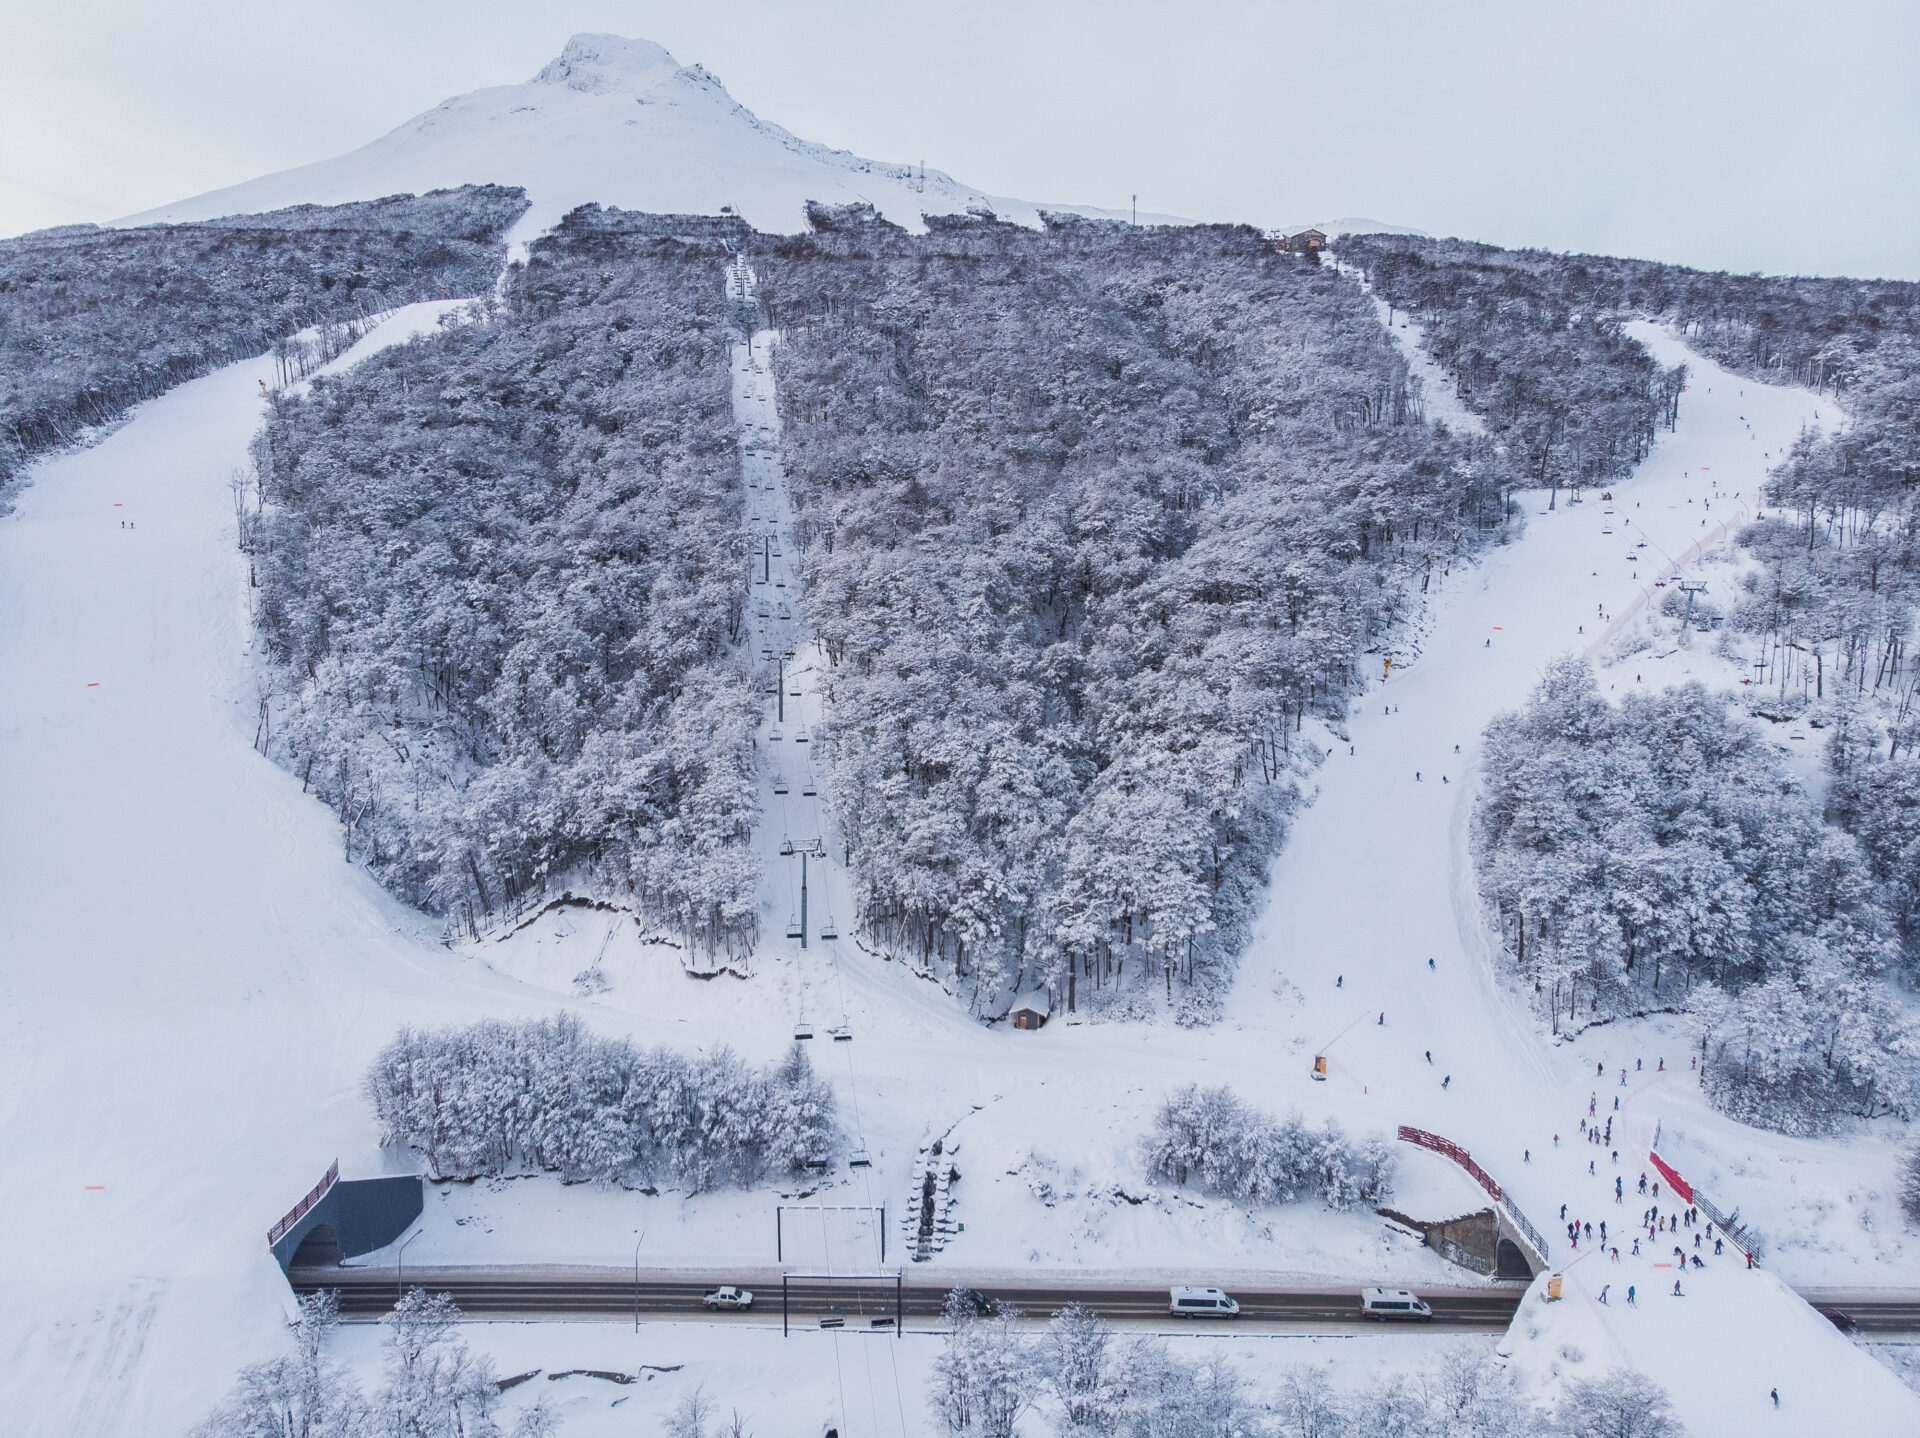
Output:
x=339 y=1220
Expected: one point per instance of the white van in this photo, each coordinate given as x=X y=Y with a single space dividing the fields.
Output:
x=1380 y=1304
x=1188 y=1302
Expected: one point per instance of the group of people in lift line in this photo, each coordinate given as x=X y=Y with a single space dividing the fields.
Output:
x=1659 y=1226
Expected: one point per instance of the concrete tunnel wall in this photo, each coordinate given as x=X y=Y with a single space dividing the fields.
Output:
x=364 y=1214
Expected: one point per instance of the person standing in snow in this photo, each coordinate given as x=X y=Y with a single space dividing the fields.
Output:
x=1775 y=1395
x=1630 y=1302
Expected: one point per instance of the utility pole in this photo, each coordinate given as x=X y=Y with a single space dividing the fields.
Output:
x=803 y=898
x=780 y=692
x=1136 y=209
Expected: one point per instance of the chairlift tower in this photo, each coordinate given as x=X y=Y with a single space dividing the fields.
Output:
x=1690 y=587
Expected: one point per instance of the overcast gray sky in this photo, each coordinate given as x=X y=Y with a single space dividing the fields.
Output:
x=1756 y=135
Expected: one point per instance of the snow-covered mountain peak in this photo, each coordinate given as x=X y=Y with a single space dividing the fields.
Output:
x=604 y=64
x=618 y=122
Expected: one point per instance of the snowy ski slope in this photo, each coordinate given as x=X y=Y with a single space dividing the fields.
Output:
x=194 y=981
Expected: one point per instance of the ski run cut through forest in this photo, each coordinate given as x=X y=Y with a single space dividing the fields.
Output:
x=788 y=738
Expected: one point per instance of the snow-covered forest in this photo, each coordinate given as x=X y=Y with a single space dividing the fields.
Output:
x=1093 y=520
x=1658 y=855
x=492 y=1098
x=1211 y=1138
x=95 y=320
x=1541 y=359
x=499 y=577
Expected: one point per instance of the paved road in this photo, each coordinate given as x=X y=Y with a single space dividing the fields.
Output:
x=600 y=1294
x=504 y=1294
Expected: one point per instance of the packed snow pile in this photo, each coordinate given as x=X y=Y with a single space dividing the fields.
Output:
x=620 y=122
x=1722 y=1346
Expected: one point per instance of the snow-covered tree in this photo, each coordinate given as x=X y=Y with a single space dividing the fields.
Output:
x=304 y=1395
x=1210 y=1138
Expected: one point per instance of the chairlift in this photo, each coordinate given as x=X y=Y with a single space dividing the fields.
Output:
x=858 y=1158
x=783 y=611
x=779 y=783
x=842 y=1032
x=807 y=789
x=1607 y=529
x=766 y=653
x=786 y=847
x=800 y=735
x=774 y=733
x=794 y=693
x=793 y=927
x=802 y=1030
x=765 y=610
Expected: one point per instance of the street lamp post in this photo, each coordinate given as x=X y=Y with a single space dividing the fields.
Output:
x=400 y=1278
